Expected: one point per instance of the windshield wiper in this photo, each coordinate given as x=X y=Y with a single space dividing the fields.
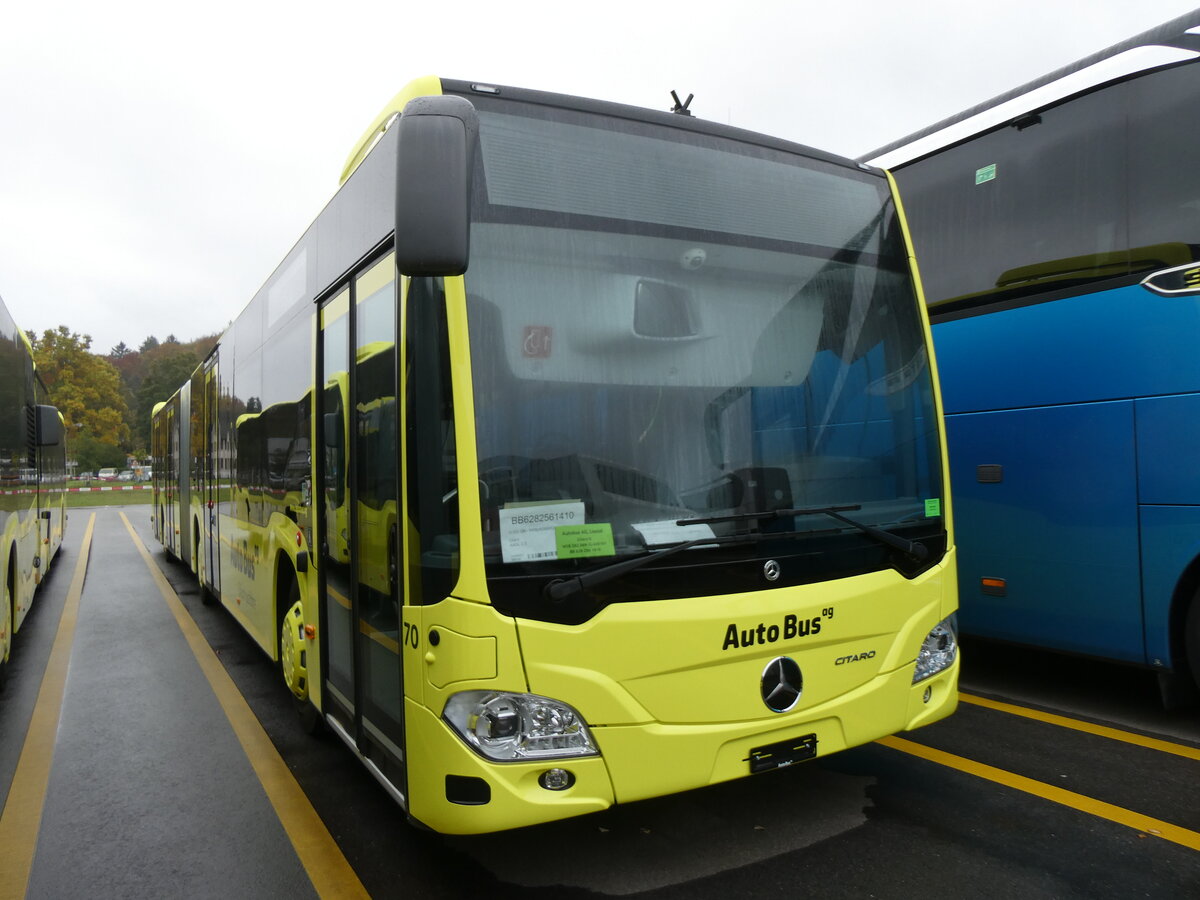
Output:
x=914 y=549
x=562 y=588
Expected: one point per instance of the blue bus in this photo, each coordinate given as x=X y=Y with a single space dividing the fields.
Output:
x=1058 y=229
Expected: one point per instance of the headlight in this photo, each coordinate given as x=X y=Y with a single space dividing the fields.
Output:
x=512 y=727
x=938 y=651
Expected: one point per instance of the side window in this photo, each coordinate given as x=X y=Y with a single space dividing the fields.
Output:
x=196 y=426
x=1030 y=206
x=249 y=472
x=285 y=419
x=376 y=412
x=333 y=428
x=432 y=459
x=1164 y=181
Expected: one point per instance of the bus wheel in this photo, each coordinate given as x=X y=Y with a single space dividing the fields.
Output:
x=293 y=662
x=196 y=547
x=9 y=618
x=1191 y=638
x=207 y=597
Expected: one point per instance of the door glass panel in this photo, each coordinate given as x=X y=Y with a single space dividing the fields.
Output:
x=211 y=477
x=376 y=452
x=335 y=525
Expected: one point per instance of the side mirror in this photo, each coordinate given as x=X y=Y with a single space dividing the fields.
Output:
x=49 y=426
x=436 y=147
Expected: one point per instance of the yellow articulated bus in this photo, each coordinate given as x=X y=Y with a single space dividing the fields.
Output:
x=579 y=454
x=33 y=473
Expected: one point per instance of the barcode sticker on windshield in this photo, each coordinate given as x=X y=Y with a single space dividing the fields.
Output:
x=527 y=532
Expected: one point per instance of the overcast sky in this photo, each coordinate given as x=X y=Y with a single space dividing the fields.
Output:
x=158 y=160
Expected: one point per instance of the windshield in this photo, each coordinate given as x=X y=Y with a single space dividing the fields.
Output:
x=668 y=326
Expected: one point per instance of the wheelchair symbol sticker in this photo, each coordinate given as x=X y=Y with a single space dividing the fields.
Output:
x=537 y=342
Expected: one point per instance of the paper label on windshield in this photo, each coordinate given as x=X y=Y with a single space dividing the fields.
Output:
x=933 y=508
x=655 y=533
x=527 y=533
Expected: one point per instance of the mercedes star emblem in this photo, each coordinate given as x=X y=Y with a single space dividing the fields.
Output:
x=781 y=684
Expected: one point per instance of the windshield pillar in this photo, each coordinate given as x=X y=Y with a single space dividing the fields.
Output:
x=472 y=581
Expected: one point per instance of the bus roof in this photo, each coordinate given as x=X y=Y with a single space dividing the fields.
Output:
x=430 y=85
x=1172 y=42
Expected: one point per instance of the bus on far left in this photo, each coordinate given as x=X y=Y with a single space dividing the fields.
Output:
x=33 y=471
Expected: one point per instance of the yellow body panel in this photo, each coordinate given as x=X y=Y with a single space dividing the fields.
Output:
x=682 y=661
x=419 y=87
x=654 y=760
x=670 y=709
x=477 y=649
x=248 y=586
x=670 y=706
x=516 y=797
x=20 y=546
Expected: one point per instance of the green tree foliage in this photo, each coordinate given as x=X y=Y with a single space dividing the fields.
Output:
x=107 y=400
x=170 y=367
x=91 y=454
x=134 y=366
x=85 y=387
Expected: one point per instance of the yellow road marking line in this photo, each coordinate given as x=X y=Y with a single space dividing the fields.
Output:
x=320 y=855
x=22 y=817
x=1120 y=815
x=1077 y=725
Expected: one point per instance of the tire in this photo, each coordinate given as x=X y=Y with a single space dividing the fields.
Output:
x=1191 y=638
x=10 y=611
x=308 y=715
x=207 y=597
x=4 y=657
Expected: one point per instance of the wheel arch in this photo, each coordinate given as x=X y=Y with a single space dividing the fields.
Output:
x=1187 y=592
x=285 y=575
x=10 y=601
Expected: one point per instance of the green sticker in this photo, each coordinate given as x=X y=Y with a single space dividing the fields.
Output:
x=584 y=540
x=987 y=173
x=933 y=508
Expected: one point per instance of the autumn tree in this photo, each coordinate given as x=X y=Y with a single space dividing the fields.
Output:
x=166 y=371
x=135 y=365
x=85 y=387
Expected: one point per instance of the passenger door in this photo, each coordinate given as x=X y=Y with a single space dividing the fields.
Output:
x=209 y=489
x=357 y=521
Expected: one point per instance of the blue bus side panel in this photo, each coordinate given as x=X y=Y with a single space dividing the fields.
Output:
x=1061 y=527
x=1111 y=345
x=1168 y=440
x=1168 y=436
x=1170 y=541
